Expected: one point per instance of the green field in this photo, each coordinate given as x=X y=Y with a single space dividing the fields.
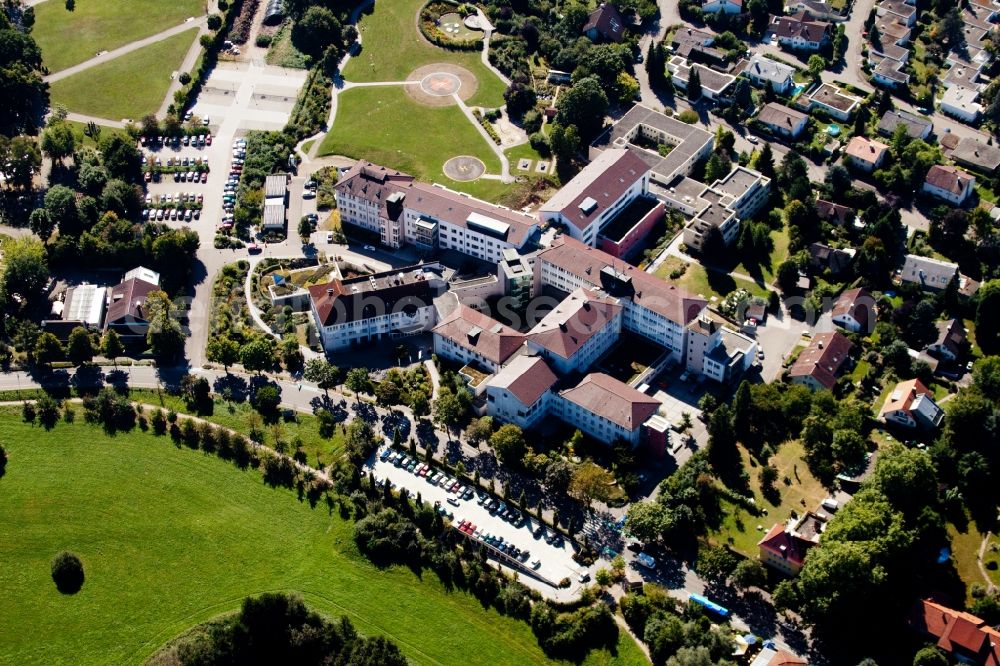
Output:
x=171 y=537
x=699 y=280
x=393 y=47
x=68 y=38
x=368 y=126
x=127 y=87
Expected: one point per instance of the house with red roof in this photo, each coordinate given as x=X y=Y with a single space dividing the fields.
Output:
x=785 y=546
x=521 y=393
x=605 y=23
x=578 y=331
x=822 y=362
x=606 y=409
x=968 y=639
x=468 y=336
x=855 y=310
x=911 y=404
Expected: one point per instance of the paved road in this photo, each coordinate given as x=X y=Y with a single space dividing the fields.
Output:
x=108 y=56
x=187 y=65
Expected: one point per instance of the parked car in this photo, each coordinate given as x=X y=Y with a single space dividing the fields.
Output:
x=452 y=501
x=254 y=249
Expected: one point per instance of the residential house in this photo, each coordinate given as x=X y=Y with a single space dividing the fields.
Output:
x=578 y=331
x=911 y=404
x=654 y=308
x=696 y=45
x=127 y=314
x=606 y=409
x=371 y=308
x=825 y=258
x=977 y=154
x=769 y=656
x=949 y=184
x=764 y=72
x=722 y=6
x=785 y=546
x=961 y=103
x=715 y=85
x=834 y=213
x=963 y=75
x=819 y=9
x=831 y=99
x=929 y=274
x=605 y=24
x=951 y=341
x=889 y=72
x=596 y=195
x=897 y=10
x=782 y=120
x=963 y=636
x=855 y=310
x=865 y=154
x=892 y=29
x=917 y=127
x=821 y=363
x=468 y=336
x=800 y=32
x=521 y=392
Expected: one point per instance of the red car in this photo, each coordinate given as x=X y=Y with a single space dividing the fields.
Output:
x=208 y=139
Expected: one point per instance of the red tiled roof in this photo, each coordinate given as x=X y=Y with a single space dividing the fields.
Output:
x=832 y=212
x=573 y=322
x=866 y=150
x=858 y=303
x=128 y=300
x=618 y=402
x=478 y=332
x=602 y=182
x=608 y=21
x=795 y=547
x=903 y=396
x=787 y=659
x=644 y=289
x=957 y=632
x=823 y=358
x=947 y=178
x=526 y=377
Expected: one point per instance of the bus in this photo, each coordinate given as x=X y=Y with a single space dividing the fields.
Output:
x=710 y=605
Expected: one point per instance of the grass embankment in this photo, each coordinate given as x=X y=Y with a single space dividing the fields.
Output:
x=393 y=47
x=68 y=38
x=171 y=537
x=798 y=489
x=384 y=125
x=127 y=87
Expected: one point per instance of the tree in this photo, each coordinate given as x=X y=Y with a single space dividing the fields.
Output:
x=67 y=572
x=765 y=162
x=717 y=167
x=694 y=85
x=788 y=275
x=722 y=452
x=584 y=106
x=317 y=29
x=60 y=202
x=816 y=65
x=479 y=430
x=988 y=317
x=645 y=521
x=664 y=634
x=121 y=157
x=47 y=349
x=322 y=373
x=41 y=224
x=80 y=346
x=24 y=95
x=448 y=410
x=23 y=269
x=509 y=445
x=257 y=355
x=749 y=573
x=266 y=399
x=952 y=28
x=222 y=349
x=58 y=141
x=305 y=229
x=716 y=563
x=164 y=335
x=626 y=88
x=291 y=355
x=565 y=141
x=358 y=382
x=590 y=483
x=387 y=393
x=557 y=476
x=838 y=180
x=929 y=656
x=986 y=377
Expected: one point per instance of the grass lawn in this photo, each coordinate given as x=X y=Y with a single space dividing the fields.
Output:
x=171 y=537
x=778 y=255
x=393 y=47
x=69 y=38
x=698 y=280
x=283 y=54
x=237 y=416
x=84 y=140
x=368 y=125
x=964 y=551
x=800 y=491
x=127 y=87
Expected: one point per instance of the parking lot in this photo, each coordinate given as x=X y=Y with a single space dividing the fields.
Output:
x=555 y=560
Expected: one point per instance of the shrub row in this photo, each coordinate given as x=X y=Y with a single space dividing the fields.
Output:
x=486 y=125
x=313 y=105
x=239 y=33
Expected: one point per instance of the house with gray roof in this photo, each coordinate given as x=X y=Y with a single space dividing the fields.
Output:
x=976 y=154
x=929 y=274
x=917 y=127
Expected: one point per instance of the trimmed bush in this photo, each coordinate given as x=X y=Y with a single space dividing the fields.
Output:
x=67 y=572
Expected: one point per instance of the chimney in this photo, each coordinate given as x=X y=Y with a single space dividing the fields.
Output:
x=329 y=292
x=562 y=326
